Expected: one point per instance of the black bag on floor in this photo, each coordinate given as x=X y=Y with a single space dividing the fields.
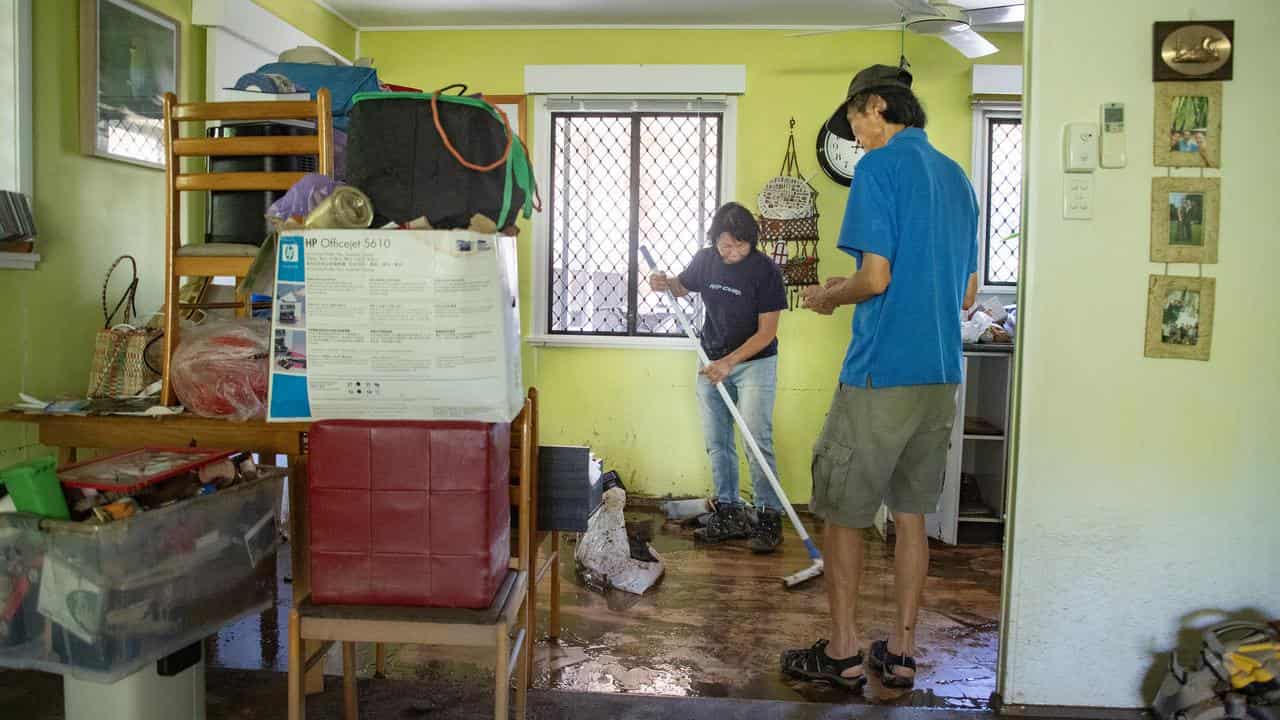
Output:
x=443 y=157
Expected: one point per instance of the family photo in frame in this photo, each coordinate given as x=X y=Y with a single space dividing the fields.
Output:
x=1188 y=127
x=1184 y=219
x=1179 y=317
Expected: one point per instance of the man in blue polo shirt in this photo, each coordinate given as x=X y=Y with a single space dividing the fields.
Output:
x=911 y=224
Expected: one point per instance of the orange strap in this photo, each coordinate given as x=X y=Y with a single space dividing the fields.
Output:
x=537 y=194
x=506 y=124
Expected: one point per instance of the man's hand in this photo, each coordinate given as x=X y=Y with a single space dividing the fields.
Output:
x=659 y=282
x=816 y=299
x=718 y=370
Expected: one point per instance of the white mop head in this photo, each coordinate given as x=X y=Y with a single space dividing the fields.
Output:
x=804 y=576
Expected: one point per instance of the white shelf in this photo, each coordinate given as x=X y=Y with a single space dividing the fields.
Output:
x=978 y=450
x=979 y=519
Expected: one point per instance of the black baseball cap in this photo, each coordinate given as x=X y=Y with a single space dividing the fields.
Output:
x=876 y=76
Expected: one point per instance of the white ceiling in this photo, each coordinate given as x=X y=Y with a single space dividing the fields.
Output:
x=367 y=14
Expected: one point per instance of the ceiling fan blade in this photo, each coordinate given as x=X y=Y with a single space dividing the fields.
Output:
x=969 y=43
x=917 y=7
x=998 y=15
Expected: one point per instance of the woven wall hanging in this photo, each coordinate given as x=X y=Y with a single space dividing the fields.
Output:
x=789 y=223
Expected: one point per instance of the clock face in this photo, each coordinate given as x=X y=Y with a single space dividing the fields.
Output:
x=838 y=156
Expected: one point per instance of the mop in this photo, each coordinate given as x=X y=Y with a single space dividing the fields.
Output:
x=815 y=569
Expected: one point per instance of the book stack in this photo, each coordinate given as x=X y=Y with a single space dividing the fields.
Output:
x=17 y=227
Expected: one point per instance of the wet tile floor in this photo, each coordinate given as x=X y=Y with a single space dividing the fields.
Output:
x=713 y=627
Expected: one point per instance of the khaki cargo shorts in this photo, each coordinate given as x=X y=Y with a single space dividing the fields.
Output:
x=882 y=445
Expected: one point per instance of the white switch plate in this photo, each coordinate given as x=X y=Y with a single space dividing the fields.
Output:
x=1080 y=147
x=1077 y=196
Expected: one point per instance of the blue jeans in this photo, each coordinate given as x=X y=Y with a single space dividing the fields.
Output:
x=752 y=385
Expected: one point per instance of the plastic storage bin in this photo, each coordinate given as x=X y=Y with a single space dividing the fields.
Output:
x=409 y=513
x=99 y=602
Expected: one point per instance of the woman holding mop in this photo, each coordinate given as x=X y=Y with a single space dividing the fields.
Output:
x=744 y=296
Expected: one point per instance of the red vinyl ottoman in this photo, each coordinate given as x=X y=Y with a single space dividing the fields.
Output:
x=409 y=513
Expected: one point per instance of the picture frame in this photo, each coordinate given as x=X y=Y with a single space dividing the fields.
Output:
x=1184 y=219
x=1188 y=124
x=1193 y=50
x=1179 y=317
x=515 y=108
x=130 y=56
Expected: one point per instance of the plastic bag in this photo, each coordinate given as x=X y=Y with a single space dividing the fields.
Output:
x=302 y=197
x=221 y=368
x=605 y=552
x=971 y=330
x=686 y=509
x=989 y=305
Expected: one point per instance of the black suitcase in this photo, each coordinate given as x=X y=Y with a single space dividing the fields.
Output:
x=397 y=155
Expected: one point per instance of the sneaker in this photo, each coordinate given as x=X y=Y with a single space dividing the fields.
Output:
x=767 y=534
x=729 y=522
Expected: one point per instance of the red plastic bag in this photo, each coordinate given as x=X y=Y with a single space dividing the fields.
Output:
x=220 y=369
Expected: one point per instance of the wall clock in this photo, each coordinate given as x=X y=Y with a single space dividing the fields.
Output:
x=837 y=157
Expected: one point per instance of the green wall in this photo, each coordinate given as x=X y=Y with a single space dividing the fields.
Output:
x=636 y=408
x=89 y=211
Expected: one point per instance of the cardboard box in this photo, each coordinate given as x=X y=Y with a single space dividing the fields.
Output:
x=395 y=325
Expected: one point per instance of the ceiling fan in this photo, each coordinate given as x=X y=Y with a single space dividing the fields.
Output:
x=951 y=23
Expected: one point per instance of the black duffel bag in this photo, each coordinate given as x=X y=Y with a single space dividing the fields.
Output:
x=442 y=157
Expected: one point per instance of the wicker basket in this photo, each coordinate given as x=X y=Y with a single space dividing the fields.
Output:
x=804 y=228
x=786 y=198
x=800 y=271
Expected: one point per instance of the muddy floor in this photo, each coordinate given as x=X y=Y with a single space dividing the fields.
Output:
x=712 y=629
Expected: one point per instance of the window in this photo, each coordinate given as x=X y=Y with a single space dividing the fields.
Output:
x=16 y=98
x=625 y=174
x=997 y=168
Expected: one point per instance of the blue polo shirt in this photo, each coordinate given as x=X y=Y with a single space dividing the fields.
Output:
x=915 y=207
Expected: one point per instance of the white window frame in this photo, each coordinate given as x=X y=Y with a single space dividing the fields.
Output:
x=541 y=128
x=15 y=122
x=984 y=110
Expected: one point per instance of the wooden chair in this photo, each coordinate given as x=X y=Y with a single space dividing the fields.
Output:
x=223 y=259
x=545 y=570
x=506 y=626
x=549 y=568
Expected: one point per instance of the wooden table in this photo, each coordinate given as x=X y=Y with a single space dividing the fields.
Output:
x=68 y=433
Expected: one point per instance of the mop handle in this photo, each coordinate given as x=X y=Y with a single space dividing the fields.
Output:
x=737 y=417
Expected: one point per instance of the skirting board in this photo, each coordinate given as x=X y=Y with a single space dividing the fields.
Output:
x=1069 y=712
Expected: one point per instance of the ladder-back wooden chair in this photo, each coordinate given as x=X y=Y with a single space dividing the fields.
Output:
x=226 y=259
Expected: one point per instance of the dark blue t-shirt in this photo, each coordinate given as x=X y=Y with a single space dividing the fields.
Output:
x=735 y=296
